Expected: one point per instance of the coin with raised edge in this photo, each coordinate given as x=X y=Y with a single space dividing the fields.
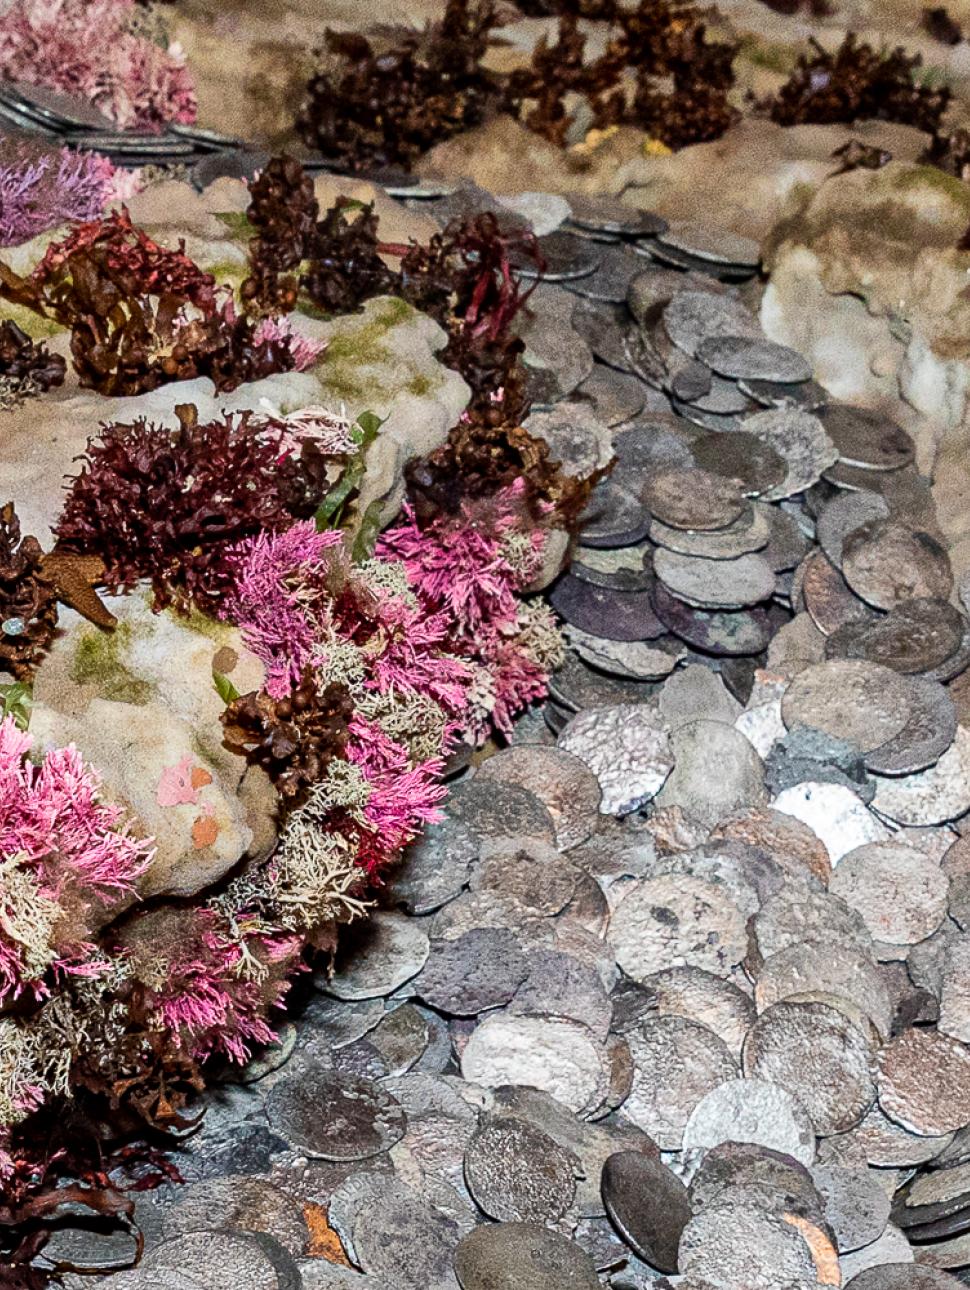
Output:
x=751 y=1111
x=647 y=1204
x=564 y=784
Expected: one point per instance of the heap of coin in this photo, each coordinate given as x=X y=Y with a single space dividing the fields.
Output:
x=678 y=993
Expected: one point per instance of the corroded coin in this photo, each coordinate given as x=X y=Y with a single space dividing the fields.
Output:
x=335 y=1117
x=808 y=395
x=614 y=517
x=435 y=867
x=500 y=811
x=481 y=969
x=692 y=316
x=648 y=1206
x=752 y=1111
x=804 y=913
x=842 y=516
x=929 y=731
x=749 y=532
x=899 y=891
x=564 y=784
x=716 y=771
x=755 y=1170
x=745 y=458
x=605 y=215
x=693 y=499
x=707 y=243
x=924 y=1081
x=510 y=1256
x=730 y=632
x=932 y=796
x=604 y=611
x=700 y=996
x=378 y=957
x=917 y=636
x=566 y=258
x=760 y=359
x=627 y=747
x=625 y=664
x=213 y=1260
x=672 y=919
x=404 y=1237
x=902 y=1276
x=610 y=280
x=738 y=1246
x=793 y=844
x=715 y=584
x=887 y=563
x=856 y=1206
x=561 y=1057
x=800 y=439
x=867 y=439
x=834 y=813
x=826 y=967
x=861 y=702
x=676 y=1062
x=515 y=1172
x=816 y=1052
x=614 y=396
x=828 y=599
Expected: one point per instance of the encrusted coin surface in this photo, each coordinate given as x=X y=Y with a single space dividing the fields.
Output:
x=481 y=969
x=700 y=996
x=886 y=563
x=715 y=584
x=862 y=702
x=716 y=771
x=924 y=1081
x=627 y=747
x=378 y=957
x=676 y=1062
x=515 y=1172
x=335 y=1117
x=604 y=611
x=693 y=499
x=836 y=969
x=815 y=1052
x=916 y=636
x=749 y=532
x=693 y=316
x=834 y=813
x=403 y=1238
x=751 y=462
x=856 y=1206
x=760 y=359
x=648 y=1206
x=733 y=1245
x=558 y=1056
x=899 y=891
x=800 y=439
x=564 y=784
x=867 y=439
x=724 y=632
x=752 y=1111
x=674 y=919
x=510 y=1256
x=932 y=796
x=436 y=866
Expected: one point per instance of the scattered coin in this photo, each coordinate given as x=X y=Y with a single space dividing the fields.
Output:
x=864 y=703
x=887 y=563
x=515 y=1172
x=493 y=810
x=751 y=1111
x=715 y=584
x=676 y=1062
x=693 y=316
x=693 y=499
x=714 y=244
x=674 y=919
x=834 y=813
x=605 y=612
x=737 y=356
x=739 y=1246
x=800 y=439
x=627 y=747
x=436 y=867
x=510 y=1256
x=479 y=970
x=867 y=439
x=564 y=784
x=932 y=796
x=900 y=892
x=716 y=771
x=558 y=1056
x=748 y=460
x=378 y=957
x=924 y=1081
x=856 y=1206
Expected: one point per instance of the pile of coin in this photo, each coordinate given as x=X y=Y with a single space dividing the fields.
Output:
x=678 y=991
x=72 y=120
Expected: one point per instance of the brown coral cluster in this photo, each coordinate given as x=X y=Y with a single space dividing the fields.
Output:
x=26 y=367
x=28 y=603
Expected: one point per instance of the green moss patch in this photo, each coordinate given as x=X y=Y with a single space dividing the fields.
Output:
x=97 y=661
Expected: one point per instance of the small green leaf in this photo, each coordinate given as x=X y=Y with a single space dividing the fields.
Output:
x=370 y=423
x=237 y=222
x=354 y=204
x=363 y=433
x=15 y=701
x=225 y=689
x=366 y=539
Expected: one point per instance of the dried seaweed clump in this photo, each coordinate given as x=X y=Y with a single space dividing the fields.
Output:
x=292 y=738
x=141 y=315
x=28 y=605
x=950 y=153
x=858 y=83
x=659 y=72
x=344 y=265
x=26 y=367
x=284 y=211
x=386 y=109
x=166 y=504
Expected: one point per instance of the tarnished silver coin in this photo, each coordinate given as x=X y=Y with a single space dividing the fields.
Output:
x=530 y=873
x=834 y=813
x=749 y=532
x=559 y=985
x=808 y=395
x=648 y=1206
x=738 y=1246
x=494 y=810
x=916 y=636
x=675 y=919
x=403 y=1238
x=716 y=771
x=886 y=563
x=692 y=316
x=378 y=956
x=707 y=243
x=602 y=326
x=435 y=867
x=509 y=1256
x=693 y=499
x=602 y=214
x=610 y=280
x=863 y=703
x=561 y=1057
x=752 y=1111
x=856 y=1206
x=803 y=912
x=604 y=611
x=564 y=784
x=792 y=844
x=702 y=997
x=800 y=440
x=614 y=517
x=745 y=458
x=676 y=1062
x=718 y=632
x=902 y=1276
x=615 y=670
x=924 y=1081
x=517 y=1173
x=627 y=747
x=737 y=356
x=932 y=796
x=817 y=1053
x=867 y=439
x=565 y=256
x=722 y=399
x=335 y=1117
x=715 y=584
x=614 y=396
x=753 y=1169
x=216 y=1259
x=479 y=970
x=236 y=1204
x=827 y=597
x=842 y=516
x=900 y=892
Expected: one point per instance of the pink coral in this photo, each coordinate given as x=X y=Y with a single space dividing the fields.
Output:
x=40 y=189
x=59 y=845
x=86 y=47
x=305 y=349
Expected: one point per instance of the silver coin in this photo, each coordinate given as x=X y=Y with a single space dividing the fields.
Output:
x=902 y=1276
x=856 y=1206
x=479 y=970
x=863 y=703
x=378 y=956
x=725 y=632
x=627 y=747
x=436 y=867
x=827 y=967
x=515 y=1172
x=604 y=215
x=932 y=796
x=648 y=1206
x=693 y=499
x=405 y=1239
x=614 y=517
x=493 y=810
x=602 y=326
x=817 y=1053
x=800 y=439
x=692 y=316
x=215 y=1259
x=565 y=785
x=610 y=280
x=924 y=1081
x=605 y=611
x=738 y=1246
x=335 y=1117
x=887 y=563
x=808 y=395
x=750 y=461
x=916 y=636
x=736 y=356
x=566 y=258
x=751 y=1111
x=715 y=584
x=844 y=514
x=615 y=397
x=510 y=1256
x=867 y=440
x=929 y=732
x=748 y=533
x=716 y=771
x=559 y=985
x=748 y=1167
x=707 y=243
